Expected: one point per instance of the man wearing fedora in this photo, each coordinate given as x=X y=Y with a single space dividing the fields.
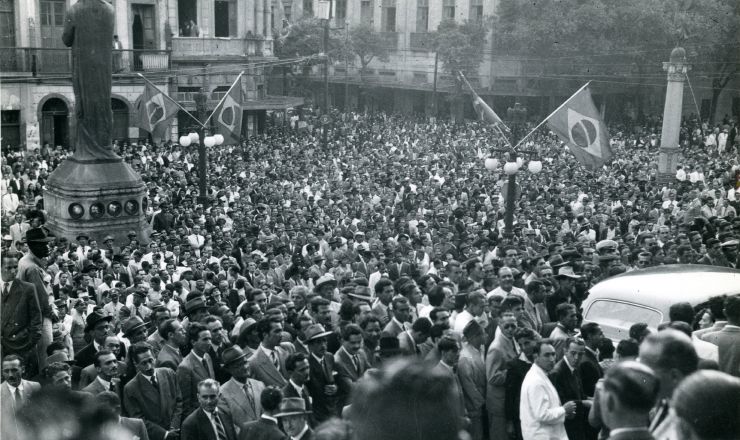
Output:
x=240 y=395
x=88 y=374
x=99 y=326
x=293 y=417
x=208 y=422
x=322 y=384
x=31 y=270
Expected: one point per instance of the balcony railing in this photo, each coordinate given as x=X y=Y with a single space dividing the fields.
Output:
x=212 y=47
x=43 y=61
x=421 y=41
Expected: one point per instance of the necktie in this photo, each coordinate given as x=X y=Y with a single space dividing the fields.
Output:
x=155 y=384
x=250 y=397
x=17 y=396
x=274 y=359
x=205 y=365
x=6 y=292
x=356 y=361
x=220 y=431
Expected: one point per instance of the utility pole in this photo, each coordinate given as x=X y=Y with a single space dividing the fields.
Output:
x=677 y=68
x=434 y=92
x=346 y=66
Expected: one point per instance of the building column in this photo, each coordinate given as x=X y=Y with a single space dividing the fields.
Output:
x=259 y=18
x=669 y=148
x=268 y=19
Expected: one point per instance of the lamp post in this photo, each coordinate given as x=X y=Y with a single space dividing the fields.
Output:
x=201 y=109
x=677 y=68
x=324 y=12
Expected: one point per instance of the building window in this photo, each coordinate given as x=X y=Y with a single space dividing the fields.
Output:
x=308 y=8
x=224 y=18
x=341 y=11
x=422 y=16
x=287 y=10
x=366 y=12
x=388 y=17
x=476 y=10
x=52 y=13
x=448 y=9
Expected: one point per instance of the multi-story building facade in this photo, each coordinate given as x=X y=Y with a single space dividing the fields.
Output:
x=183 y=46
x=405 y=83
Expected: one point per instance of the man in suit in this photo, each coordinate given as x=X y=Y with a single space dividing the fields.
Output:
x=401 y=315
x=268 y=361
x=21 y=314
x=14 y=391
x=240 y=396
x=410 y=341
x=449 y=350
x=629 y=392
x=266 y=428
x=728 y=339
x=195 y=367
x=518 y=368
x=589 y=367
x=321 y=385
x=565 y=327
x=501 y=353
x=106 y=365
x=99 y=325
x=299 y=371
x=471 y=371
x=350 y=362
x=208 y=422
x=384 y=292
x=112 y=402
x=88 y=374
x=153 y=395
x=174 y=338
x=400 y=268
x=293 y=415
x=566 y=378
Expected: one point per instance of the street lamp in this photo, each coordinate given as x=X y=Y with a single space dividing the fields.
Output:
x=201 y=109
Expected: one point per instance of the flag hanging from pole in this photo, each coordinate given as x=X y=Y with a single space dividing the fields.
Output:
x=154 y=109
x=484 y=111
x=578 y=123
x=228 y=115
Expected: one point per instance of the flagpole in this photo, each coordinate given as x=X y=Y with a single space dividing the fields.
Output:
x=168 y=97
x=222 y=99
x=501 y=132
x=550 y=115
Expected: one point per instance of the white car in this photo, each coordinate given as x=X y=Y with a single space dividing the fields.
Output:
x=645 y=295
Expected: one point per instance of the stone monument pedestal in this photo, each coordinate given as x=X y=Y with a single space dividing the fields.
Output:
x=98 y=198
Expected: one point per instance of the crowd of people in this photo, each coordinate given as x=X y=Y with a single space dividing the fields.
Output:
x=362 y=285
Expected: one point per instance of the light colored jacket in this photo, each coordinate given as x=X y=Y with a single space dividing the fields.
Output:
x=542 y=415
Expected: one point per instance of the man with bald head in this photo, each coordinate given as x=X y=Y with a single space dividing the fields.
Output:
x=707 y=406
x=672 y=357
x=506 y=284
x=630 y=390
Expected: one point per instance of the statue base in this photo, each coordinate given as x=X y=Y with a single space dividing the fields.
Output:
x=96 y=198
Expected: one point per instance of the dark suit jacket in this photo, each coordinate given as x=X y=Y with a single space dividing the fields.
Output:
x=569 y=387
x=261 y=429
x=21 y=318
x=348 y=374
x=136 y=427
x=169 y=357
x=95 y=388
x=197 y=426
x=513 y=384
x=590 y=373
x=290 y=391
x=407 y=270
x=189 y=373
x=161 y=410
x=633 y=435
x=88 y=374
x=324 y=406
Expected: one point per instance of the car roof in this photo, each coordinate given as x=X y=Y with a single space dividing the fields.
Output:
x=660 y=287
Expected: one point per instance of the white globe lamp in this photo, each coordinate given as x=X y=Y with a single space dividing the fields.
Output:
x=510 y=168
x=185 y=141
x=209 y=141
x=194 y=137
x=535 y=166
x=219 y=139
x=491 y=164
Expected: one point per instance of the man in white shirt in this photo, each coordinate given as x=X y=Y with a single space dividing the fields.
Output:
x=540 y=410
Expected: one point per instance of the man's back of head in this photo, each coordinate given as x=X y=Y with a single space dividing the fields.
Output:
x=707 y=405
x=671 y=355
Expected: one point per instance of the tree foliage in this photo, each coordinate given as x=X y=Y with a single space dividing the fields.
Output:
x=367 y=45
x=305 y=38
x=459 y=46
x=630 y=37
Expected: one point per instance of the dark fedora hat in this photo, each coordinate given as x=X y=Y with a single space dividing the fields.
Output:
x=94 y=318
x=132 y=325
x=38 y=235
x=232 y=354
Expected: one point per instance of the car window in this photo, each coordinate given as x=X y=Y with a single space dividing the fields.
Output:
x=617 y=317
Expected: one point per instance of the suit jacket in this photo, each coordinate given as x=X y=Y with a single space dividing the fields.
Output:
x=632 y=435
x=264 y=370
x=590 y=371
x=234 y=401
x=290 y=391
x=569 y=387
x=348 y=374
x=189 y=373
x=197 y=426
x=160 y=409
x=471 y=371
x=500 y=353
x=90 y=373
x=324 y=406
x=407 y=344
x=393 y=329
x=514 y=377
x=406 y=270
x=136 y=427
x=95 y=388
x=559 y=336
x=169 y=357
x=8 y=402
x=727 y=341
x=262 y=429
x=86 y=356
x=21 y=318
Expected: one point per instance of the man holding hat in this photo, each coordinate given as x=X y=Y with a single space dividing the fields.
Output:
x=240 y=396
x=293 y=417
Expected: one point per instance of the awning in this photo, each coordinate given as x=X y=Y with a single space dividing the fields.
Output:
x=272 y=102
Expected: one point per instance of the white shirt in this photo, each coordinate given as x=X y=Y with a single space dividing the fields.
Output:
x=542 y=416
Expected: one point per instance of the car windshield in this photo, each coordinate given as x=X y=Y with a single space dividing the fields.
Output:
x=617 y=317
